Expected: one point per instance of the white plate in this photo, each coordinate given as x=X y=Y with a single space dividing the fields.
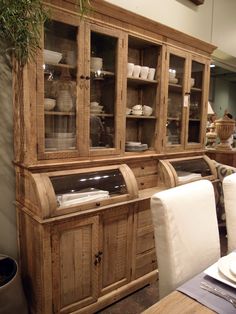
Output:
x=133 y=143
x=213 y=271
x=232 y=267
x=224 y=265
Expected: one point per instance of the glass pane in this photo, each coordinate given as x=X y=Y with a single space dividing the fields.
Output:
x=175 y=99
x=191 y=169
x=195 y=102
x=60 y=80
x=102 y=90
x=88 y=187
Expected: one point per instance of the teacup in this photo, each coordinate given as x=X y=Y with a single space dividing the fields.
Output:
x=136 y=71
x=144 y=72
x=130 y=68
x=151 y=74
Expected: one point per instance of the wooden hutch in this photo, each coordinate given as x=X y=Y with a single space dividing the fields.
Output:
x=85 y=172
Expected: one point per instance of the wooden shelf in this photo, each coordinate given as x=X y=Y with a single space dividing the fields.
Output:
x=140 y=81
x=59 y=113
x=196 y=90
x=110 y=115
x=140 y=117
x=60 y=65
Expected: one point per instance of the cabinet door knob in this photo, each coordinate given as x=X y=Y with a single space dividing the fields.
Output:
x=82 y=77
x=87 y=77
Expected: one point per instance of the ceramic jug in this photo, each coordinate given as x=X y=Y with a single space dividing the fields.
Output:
x=64 y=100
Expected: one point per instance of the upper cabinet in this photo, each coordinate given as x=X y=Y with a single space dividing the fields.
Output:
x=103 y=86
x=186 y=99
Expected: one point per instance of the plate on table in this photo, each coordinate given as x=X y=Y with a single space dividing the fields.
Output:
x=214 y=272
x=227 y=265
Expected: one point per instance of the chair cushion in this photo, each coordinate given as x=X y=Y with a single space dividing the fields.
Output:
x=229 y=189
x=186 y=232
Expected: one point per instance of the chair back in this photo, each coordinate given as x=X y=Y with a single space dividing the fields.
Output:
x=229 y=189
x=186 y=232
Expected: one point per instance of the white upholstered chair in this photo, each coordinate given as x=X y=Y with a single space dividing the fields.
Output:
x=229 y=189
x=186 y=232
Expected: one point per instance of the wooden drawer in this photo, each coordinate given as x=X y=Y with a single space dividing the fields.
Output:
x=145 y=240
x=145 y=263
x=147 y=182
x=144 y=215
x=144 y=168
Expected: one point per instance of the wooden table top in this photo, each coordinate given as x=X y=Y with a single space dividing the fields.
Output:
x=177 y=302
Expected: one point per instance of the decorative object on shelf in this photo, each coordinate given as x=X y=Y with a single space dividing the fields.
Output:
x=49 y=104
x=65 y=91
x=224 y=129
x=96 y=64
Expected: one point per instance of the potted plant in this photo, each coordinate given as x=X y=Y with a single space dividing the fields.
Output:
x=21 y=23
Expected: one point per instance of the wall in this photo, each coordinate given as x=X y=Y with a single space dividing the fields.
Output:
x=8 y=242
x=214 y=21
x=224 y=97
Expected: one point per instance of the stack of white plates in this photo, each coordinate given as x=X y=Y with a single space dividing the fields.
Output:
x=173 y=80
x=96 y=109
x=135 y=146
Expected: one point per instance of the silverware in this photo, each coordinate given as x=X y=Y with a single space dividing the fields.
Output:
x=220 y=293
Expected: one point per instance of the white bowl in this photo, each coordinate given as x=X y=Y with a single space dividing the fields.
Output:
x=137 y=112
x=49 y=104
x=52 y=56
x=147 y=111
x=94 y=103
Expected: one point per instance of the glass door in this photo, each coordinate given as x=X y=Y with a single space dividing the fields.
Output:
x=197 y=81
x=60 y=98
x=177 y=98
x=103 y=90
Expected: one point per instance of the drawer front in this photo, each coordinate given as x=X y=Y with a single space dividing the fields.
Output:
x=145 y=240
x=145 y=263
x=144 y=215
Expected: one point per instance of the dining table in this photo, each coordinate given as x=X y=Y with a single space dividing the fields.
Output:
x=178 y=303
x=211 y=291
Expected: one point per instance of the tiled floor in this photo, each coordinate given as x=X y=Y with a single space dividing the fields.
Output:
x=145 y=297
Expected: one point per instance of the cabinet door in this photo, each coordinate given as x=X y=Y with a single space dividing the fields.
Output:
x=59 y=100
x=143 y=97
x=198 y=90
x=75 y=273
x=176 y=98
x=103 y=89
x=116 y=232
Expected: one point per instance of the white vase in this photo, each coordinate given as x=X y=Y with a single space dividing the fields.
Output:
x=64 y=101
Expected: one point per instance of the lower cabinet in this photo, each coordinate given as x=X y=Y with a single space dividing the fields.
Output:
x=82 y=263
